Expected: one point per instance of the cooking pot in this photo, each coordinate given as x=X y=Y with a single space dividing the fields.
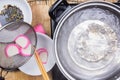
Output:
x=87 y=40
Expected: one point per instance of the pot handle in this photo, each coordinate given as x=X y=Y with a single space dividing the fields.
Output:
x=53 y=10
x=117 y=2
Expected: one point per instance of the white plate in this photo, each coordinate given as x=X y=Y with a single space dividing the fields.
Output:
x=22 y=5
x=31 y=67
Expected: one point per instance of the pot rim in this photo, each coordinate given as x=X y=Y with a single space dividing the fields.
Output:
x=62 y=20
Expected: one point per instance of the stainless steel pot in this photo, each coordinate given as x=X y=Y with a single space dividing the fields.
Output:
x=87 y=40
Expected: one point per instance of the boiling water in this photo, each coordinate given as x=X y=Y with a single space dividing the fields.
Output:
x=93 y=41
x=94 y=38
x=90 y=42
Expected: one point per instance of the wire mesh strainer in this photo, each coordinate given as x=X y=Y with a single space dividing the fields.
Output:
x=8 y=33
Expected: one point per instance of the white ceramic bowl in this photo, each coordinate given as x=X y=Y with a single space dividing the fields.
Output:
x=22 y=5
x=31 y=67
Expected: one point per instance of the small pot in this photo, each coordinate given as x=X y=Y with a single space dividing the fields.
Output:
x=87 y=39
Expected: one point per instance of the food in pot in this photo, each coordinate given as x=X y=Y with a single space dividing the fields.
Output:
x=94 y=42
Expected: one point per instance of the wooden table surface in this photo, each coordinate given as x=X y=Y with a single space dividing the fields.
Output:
x=40 y=16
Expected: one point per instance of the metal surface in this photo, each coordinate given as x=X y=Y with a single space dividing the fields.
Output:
x=8 y=33
x=107 y=15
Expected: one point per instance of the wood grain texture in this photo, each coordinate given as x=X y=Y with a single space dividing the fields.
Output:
x=17 y=75
x=40 y=16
